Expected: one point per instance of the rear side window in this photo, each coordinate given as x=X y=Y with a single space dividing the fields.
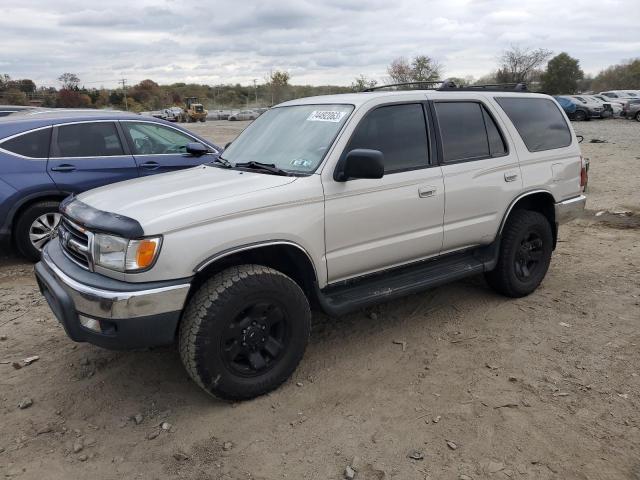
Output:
x=93 y=139
x=538 y=121
x=33 y=144
x=399 y=132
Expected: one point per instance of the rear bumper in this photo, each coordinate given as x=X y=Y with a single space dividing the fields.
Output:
x=570 y=209
x=109 y=313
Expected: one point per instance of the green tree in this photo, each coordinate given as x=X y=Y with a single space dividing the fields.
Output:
x=425 y=69
x=278 y=82
x=562 y=75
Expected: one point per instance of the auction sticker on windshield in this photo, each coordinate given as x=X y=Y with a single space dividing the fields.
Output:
x=326 y=116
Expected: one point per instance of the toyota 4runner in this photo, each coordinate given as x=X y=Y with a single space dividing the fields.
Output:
x=333 y=202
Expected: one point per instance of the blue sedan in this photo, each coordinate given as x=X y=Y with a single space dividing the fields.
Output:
x=47 y=155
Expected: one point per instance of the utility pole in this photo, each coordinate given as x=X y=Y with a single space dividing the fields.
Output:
x=124 y=89
x=255 y=87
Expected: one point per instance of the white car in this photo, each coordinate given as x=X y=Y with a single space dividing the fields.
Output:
x=334 y=202
x=244 y=115
x=616 y=104
x=621 y=95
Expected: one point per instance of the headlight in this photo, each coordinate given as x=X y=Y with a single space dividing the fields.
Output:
x=122 y=255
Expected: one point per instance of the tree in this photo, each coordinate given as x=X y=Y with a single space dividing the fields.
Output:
x=399 y=70
x=278 y=82
x=26 y=85
x=421 y=69
x=69 y=81
x=425 y=69
x=519 y=64
x=562 y=75
x=618 y=77
x=68 y=98
x=13 y=96
x=362 y=83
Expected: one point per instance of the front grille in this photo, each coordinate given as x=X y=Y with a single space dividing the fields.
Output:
x=75 y=242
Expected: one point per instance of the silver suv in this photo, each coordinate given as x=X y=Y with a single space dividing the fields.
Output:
x=334 y=202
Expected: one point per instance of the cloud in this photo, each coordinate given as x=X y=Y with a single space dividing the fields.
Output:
x=318 y=42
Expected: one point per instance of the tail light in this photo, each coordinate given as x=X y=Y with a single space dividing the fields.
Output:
x=584 y=172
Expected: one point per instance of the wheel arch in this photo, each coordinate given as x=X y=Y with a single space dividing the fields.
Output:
x=541 y=201
x=285 y=256
x=28 y=201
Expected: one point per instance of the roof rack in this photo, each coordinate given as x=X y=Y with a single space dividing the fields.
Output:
x=449 y=85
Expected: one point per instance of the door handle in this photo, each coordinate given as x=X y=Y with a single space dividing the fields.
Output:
x=65 y=167
x=424 y=192
x=510 y=177
x=150 y=165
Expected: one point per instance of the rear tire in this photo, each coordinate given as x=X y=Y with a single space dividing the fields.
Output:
x=244 y=332
x=638 y=117
x=525 y=254
x=36 y=226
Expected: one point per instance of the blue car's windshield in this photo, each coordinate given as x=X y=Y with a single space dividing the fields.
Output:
x=294 y=139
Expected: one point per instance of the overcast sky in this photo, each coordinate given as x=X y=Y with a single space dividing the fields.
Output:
x=321 y=42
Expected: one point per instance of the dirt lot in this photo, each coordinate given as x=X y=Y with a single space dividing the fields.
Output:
x=544 y=387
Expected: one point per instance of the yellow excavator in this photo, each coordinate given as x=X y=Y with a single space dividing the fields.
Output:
x=194 y=111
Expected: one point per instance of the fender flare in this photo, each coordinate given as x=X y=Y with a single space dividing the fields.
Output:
x=516 y=200
x=253 y=246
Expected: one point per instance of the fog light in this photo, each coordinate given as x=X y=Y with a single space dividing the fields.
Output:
x=90 y=323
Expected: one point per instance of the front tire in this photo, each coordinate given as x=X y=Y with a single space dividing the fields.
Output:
x=244 y=332
x=525 y=254
x=638 y=117
x=580 y=116
x=37 y=225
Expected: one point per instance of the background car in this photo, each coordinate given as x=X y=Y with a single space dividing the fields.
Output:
x=567 y=105
x=620 y=94
x=173 y=114
x=575 y=110
x=47 y=156
x=595 y=108
x=632 y=110
x=11 y=109
x=244 y=115
x=616 y=104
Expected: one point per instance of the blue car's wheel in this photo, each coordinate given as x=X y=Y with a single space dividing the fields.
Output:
x=37 y=225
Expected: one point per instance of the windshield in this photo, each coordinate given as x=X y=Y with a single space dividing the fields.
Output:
x=294 y=138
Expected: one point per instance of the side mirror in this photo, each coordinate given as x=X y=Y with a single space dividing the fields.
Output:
x=360 y=163
x=197 y=149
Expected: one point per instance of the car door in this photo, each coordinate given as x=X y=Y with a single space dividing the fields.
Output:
x=161 y=148
x=481 y=173
x=373 y=224
x=87 y=155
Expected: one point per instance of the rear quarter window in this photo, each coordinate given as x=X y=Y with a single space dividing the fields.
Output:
x=538 y=121
x=33 y=144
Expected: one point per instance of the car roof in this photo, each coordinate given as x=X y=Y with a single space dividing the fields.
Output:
x=360 y=98
x=29 y=120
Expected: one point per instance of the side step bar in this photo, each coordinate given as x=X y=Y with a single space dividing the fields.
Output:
x=352 y=295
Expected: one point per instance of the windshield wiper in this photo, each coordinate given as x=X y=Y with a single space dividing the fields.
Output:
x=266 y=167
x=222 y=162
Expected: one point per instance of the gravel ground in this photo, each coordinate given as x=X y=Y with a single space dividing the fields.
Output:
x=454 y=383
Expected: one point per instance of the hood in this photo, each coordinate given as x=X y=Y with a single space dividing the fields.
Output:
x=171 y=200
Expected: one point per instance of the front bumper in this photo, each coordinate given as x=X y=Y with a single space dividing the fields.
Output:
x=106 y=312
x=570 y=209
